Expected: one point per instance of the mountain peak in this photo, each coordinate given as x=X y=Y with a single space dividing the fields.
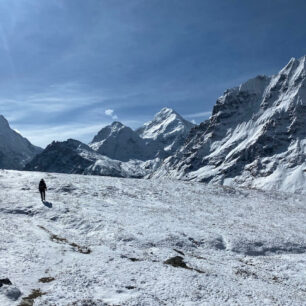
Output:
x=109 y=130
x=165 y=113
x=294 y=65
x=166 y=131
x=117 y=124
x=119 y=142
x=167 y=110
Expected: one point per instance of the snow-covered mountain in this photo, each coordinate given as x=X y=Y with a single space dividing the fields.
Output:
x=73 y=156
x=15 y=150
x=120 y=142
x=160 y=137
x=255 y=137
x=166 y=132
x=117 y=150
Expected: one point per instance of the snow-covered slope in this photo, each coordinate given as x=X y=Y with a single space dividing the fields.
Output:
x=166 y=132
x=111 y=241
x=255 y=137
x=120 y=142
x=72 y=156
x=158 y=138
x=15 y=150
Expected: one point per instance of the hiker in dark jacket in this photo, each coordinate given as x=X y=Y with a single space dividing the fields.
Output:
x=42 y=189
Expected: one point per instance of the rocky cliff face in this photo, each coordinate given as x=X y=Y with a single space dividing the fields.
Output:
x=255 y=137
x=15 y=150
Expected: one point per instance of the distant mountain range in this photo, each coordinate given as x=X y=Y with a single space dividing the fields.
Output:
x=256 y=137
x=117 y=150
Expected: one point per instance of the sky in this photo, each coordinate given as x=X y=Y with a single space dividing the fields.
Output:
x=70 y=67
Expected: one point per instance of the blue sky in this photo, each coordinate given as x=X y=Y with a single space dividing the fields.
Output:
x=69 y=67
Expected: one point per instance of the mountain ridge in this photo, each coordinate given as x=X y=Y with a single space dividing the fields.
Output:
x=116 y=150
x=255 y=136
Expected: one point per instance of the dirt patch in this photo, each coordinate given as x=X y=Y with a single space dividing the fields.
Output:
x=46 y=279
x=130 y=287
x=178 y=262
x=30 y=299
x=58 y=239
x=195 y=242
x=276 y=279
x=180 y=252
x=131 y=258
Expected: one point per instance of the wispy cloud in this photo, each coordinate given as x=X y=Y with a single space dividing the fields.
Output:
x=44 y=135
x=198 y=115
x=111 y=113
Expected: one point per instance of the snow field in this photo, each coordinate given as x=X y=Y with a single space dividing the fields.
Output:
x=105 y=240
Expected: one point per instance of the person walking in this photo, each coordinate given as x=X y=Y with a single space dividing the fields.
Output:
x=42 y=189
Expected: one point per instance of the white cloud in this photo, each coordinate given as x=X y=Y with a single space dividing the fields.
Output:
x=55 y=99
x=111 y=113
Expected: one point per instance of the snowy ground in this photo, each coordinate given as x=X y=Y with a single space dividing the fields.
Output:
x=105 y=241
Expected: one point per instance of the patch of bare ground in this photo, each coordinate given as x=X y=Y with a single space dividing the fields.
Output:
x=58 y=239
x=46 y=279
x=30 y=299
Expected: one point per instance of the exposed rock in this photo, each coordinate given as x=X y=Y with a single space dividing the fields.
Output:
x=5 y=281
x=176 y=261
x=256 y=136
